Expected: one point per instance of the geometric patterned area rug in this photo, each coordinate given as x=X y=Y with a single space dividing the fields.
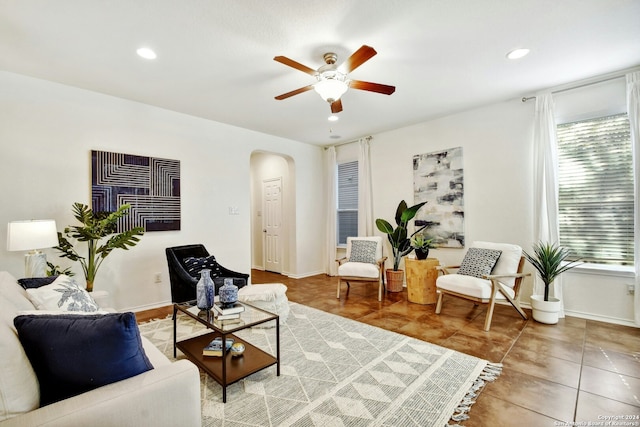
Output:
x=338 y=372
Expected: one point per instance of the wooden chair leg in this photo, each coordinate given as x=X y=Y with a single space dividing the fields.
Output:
x=439 y=304
x=339 y=282
x=515 y=303
x=487 y=320
x=495 y=288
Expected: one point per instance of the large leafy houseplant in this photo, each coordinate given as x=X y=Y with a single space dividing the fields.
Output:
x=398 y=236
x=549 y=259
x=95 y=227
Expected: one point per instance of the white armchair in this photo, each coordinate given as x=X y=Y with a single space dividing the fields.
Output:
x=482 y=281
x=363 y=262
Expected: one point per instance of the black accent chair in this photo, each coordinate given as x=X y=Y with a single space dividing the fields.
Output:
x=183 y=284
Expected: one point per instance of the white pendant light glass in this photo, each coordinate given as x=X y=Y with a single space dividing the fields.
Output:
x=330 y=89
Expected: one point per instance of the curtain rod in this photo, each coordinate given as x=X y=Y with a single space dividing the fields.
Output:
x=578 y=86
x=368 y=138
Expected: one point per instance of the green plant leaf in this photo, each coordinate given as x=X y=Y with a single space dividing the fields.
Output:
x=384 y=226
x=411 y=212
x=402 y=206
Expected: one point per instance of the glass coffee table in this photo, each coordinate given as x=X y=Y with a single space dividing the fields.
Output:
x=226 y=370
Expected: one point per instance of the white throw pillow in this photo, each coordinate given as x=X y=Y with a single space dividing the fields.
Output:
x=63 y=294
x=19 y=389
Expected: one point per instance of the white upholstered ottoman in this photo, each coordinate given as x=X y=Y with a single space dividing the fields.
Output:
x=268 y=296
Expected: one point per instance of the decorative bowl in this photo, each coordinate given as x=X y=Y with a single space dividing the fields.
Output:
x=237 y=349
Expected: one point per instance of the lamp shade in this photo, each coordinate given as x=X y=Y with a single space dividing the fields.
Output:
x=32 y=234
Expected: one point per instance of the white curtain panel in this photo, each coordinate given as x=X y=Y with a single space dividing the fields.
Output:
x=365 y=192
x=546 y=226
x=331 y=267
x=633 y=110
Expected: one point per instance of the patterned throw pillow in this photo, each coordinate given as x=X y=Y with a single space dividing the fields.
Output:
x=63 y=294
x=363 y=251
x=195 y=265
x=479 y=262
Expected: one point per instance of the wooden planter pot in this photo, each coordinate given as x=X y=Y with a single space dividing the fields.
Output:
x=395 y=280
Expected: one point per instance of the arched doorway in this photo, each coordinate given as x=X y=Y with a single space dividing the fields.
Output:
x=272 y=212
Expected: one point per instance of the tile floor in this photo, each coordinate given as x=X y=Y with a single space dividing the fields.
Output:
x=574 y=373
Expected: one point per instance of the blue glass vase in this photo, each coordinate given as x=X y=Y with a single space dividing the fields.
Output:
x=205 y=290
x=228 y=293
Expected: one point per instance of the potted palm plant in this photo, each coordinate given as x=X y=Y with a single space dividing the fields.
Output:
x=550 y=261
x=400 y=241
x=96 y=226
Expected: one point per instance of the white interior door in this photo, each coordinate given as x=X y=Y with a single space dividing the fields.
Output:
x=272 y=224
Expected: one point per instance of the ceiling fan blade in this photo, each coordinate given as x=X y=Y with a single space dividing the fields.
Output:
x=336 y=106
x=298 y=66
x=372 y=87
x=358 y=58
x=293 y=92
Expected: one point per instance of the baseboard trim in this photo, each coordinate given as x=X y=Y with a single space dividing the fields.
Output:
x=600 y=318
x=587 y=316
x=303 y=275
x=146 y=307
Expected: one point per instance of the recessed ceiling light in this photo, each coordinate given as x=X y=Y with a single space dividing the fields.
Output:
x=518 y=53
x=146 y=53
x=333 y=118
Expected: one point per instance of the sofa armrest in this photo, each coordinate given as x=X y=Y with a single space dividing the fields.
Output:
x=168 y=395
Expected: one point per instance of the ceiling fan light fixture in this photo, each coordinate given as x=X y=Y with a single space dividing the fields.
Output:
x=330 y=89
x=333 y=118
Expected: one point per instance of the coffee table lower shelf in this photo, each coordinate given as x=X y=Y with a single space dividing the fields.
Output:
x=252 y=360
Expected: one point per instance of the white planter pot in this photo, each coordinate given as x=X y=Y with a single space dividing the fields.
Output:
x=545 y=311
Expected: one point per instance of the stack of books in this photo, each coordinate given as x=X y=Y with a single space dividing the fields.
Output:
x=214 y=348
x=227 y=312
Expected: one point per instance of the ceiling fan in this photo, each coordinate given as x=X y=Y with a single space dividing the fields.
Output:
x=332 y=79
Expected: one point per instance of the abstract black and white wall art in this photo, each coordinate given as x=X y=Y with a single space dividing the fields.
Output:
x=438 y=180
x=149 y=184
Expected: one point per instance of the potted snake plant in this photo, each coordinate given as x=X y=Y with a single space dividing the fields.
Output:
x=549 y=259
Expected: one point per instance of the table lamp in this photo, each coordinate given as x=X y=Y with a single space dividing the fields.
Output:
x=31 y=236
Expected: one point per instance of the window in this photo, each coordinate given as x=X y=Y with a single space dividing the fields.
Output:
x=347 y=224
x=596 y=189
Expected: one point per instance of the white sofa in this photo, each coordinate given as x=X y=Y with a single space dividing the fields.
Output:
x=168 y=395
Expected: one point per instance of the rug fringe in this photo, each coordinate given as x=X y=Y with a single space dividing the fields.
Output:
x=489 y=374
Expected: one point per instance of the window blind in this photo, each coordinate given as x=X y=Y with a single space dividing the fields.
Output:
x=347 y=224
x=596 y=189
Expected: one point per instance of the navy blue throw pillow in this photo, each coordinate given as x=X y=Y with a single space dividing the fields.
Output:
x=194 y=265
x=36 y=282
x=72 y=354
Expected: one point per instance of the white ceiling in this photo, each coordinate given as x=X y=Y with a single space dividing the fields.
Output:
x=215 y=57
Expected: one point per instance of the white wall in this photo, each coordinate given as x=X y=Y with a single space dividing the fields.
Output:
x=47 y=132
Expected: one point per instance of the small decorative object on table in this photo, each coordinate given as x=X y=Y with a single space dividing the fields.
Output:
x=237 y=348
x=228 y=293
x=214 y=348
x=205 y=290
